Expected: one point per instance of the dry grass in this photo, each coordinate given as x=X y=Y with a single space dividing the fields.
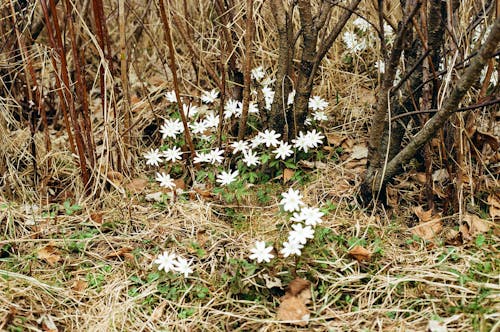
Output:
x=98 y=275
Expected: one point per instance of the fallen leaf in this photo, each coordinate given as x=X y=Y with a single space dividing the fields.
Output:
x=158 y=312
x=180 y=184
x=335 y=139
x=115 y=177
x=360 y=253
x=122 y=252
x=96 y=217
x=494 y=202
x=293 y=310
x=428 y=230
x=49 y=254
x=440 y=175
x=359 y=152
x=79 y=285
x=476 y=224
x=156 y=197
x=202 y=237
x=297 y=286
x=421 y=178
x=137 y=185
x=423 y=216
x=287 y=174
x=48 y=324
x=272 y=282
x=436 y=326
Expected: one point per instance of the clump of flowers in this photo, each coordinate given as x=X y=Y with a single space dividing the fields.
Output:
x=225 y=168
x=305 y=219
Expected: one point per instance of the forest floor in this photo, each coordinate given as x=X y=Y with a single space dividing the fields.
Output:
x=79 y=267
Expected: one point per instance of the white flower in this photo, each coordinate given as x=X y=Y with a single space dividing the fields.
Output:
x=315 y=138
x=350 y=39
x=250 y=158
x=311 y=216
x=165 y=180
x=380 y=65
x=261 y=253
x=283 y=151
x=171 y=96
x=291 y=248
x=211 y=120
x=257 y=73
x=189 y=110
x=153 y=157
x=319 y=116
x=269 y=137
x=239 y=146
x=202 y=158
x=268 y=96
x=252 y=108
x=182 y=266
x=166 y=261
x=291 y=96
x=308 y=141
x=216 y=156
x=172 y=154
x=302 y=142
x=292 y=200
x=300 y=233
x=317 y=103
x=256 y=141
x=361 y=24
x=198 y=127
x=232 y=108
x=171 y=128
x=209 y=97
x=308 y=121
x=268 y=81
x=226 y=178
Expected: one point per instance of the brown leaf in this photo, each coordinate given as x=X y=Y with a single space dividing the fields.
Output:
x=48 y=324
x=96 y=217
x=360 y=253
x=335 y=139
x=203 y=192
x=122 y=252
x=137 y=185
x=158 y=312
x=297 y=285
x=287 y=174
x=180 y=184
x=49 y=254
x=115 y=177
x=293 y=309
x=428 y=230
x=359 y=152
x=79 y=285
x=494 y=202
x=476 y=224
x=423 y=216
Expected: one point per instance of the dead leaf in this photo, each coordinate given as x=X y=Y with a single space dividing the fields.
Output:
x=494 y=202
x=335 y=139
x=79 y=285
x=157 y=197
x=476 y=224
x=272 y=282
x=115 y=177
x=436 y=326
x=440 y=175
x=297 y=285
x=312 y=164
x=287 y=174
x=294 y=310
x=428 y=230
x=423 y=216
x=202 y=237
x=122 y=252
x=48 y=324
x=359 y=152
x=96 y=217
x=360 y=253
x=158 y=312
x=49 y=254
x=137 y=185
x=464 y=230
x=421 y=178
x=180 y=184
